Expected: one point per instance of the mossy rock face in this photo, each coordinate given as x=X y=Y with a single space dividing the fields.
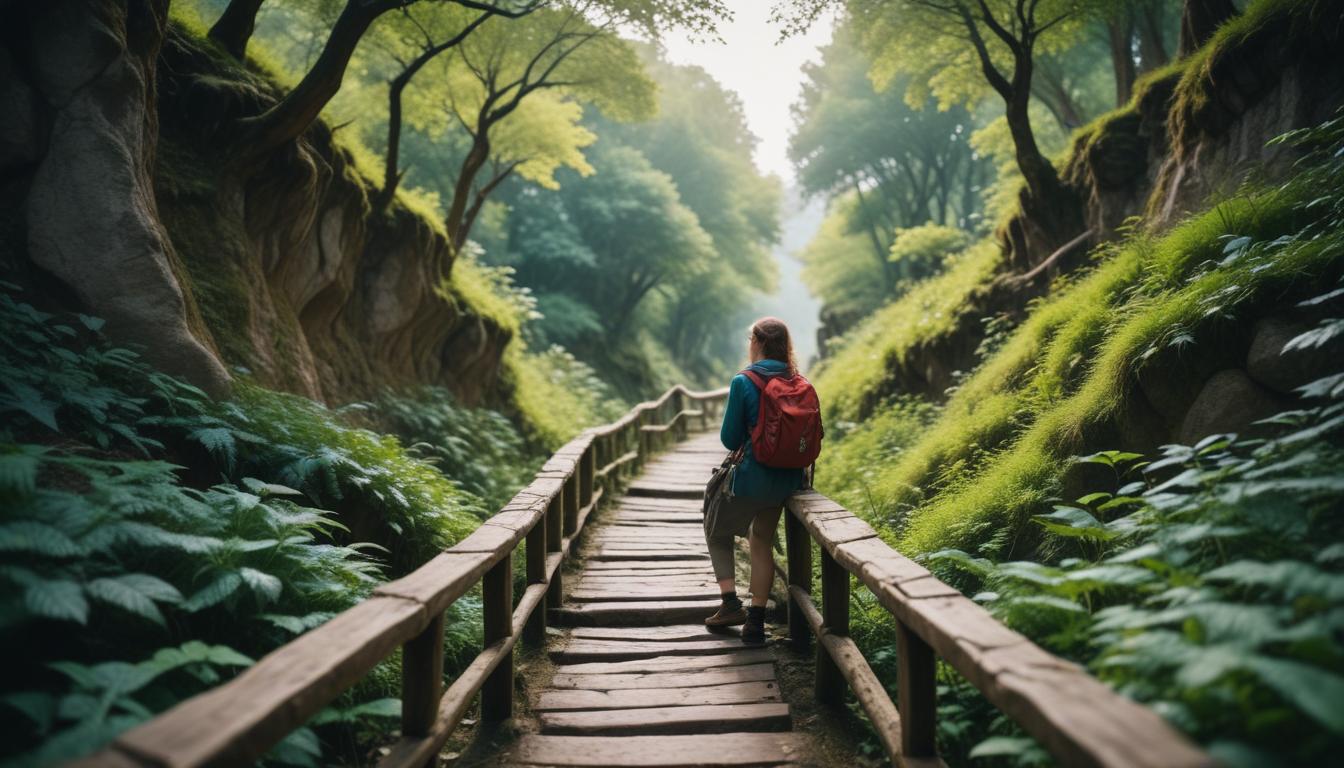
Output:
x=298 y=279
x=1268 y=71
x=1114 y=160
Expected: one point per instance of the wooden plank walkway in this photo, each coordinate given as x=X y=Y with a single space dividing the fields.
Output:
x=638 y=679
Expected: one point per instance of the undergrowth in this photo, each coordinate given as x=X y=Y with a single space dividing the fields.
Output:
x=156 y=541
x=994 y=454
x=1207 y=583
x=858 y=360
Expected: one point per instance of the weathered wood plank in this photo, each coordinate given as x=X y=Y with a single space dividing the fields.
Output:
x=442 y=580
x=711 y=718
x=667 y=633
x=580 y=651
x=645 y=595
x=614 y=681
x=635 y=613
x=638 y=698
x=741 y=657
x=684 y=564
x=626 y=553
x=729 y=749
x=666 y=490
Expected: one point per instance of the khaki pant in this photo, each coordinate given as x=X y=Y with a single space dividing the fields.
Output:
x=735 y=519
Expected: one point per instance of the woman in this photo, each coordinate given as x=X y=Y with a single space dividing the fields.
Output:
x=758 y=492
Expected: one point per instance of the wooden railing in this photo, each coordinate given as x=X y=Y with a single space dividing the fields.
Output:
x=241 y=720
x=1079 y=720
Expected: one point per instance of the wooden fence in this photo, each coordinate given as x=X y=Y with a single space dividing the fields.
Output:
x=1079 y=720
x=239 y=721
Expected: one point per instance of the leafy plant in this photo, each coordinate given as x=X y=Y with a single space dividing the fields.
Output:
x=1215 y=590
x=153 y=541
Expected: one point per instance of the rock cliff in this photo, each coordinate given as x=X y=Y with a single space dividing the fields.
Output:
x=115 y=149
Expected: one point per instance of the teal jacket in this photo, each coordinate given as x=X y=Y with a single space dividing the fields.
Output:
x=754 y=480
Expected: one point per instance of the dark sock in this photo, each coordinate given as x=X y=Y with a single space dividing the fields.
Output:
x=756 y=614
x=730 y=600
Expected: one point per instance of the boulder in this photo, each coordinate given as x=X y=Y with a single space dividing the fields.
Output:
x=1284 y=372
x=1230 y=401
x=92 y=219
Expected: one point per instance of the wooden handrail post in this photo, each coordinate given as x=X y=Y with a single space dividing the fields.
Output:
x=586 y=469
x=497 y=596
x=798 y=550
x=680 y=405
x=534 y=631
x=422 y=679
x=830 y=685
x=555 y=522
x=916 y=693
x=570 y=491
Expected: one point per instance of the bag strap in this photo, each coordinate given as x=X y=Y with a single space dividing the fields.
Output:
x=760 y=379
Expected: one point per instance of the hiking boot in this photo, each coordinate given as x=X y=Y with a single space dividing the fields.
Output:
x=753 y=629
x=727 y=616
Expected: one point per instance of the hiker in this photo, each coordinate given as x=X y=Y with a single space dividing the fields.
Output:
x=772 y=426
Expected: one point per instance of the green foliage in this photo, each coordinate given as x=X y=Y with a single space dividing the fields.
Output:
x=1205 y=583
x=1214 y=596
x=922 y=251
x=994 y=454
x=478 y=448
x=154 y=540
x=842 y=267
x=557 y=395
x=912 y=162
x=929 y=309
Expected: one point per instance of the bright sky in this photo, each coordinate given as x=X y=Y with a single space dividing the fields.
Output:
x=766 y=74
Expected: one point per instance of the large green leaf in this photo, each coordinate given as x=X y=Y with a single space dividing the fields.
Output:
x=136 y=593
x=1315 y=691
x=1289 y=578
x=266 y=586
x=217 y=591
x=58 y=599
x=30 y=537
x=18 y=471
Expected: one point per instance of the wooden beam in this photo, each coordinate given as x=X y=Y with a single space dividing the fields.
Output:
x=798 y=550
x=497 y=602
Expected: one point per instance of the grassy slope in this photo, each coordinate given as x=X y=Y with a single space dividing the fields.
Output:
x=993 y=455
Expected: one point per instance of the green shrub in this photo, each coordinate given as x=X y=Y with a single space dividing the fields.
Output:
x=1206 y=584
x=860 y=359
x=154 y=540
x=557 y=395
x=477 y=447
x=992 y=457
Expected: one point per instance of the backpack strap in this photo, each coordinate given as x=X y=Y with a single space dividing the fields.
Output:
x=760 y=379
x=755 y=377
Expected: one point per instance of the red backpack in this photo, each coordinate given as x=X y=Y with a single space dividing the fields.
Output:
x=788 y=429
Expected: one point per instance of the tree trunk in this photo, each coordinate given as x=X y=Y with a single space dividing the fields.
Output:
x=258 y=136
x=476 y=158
x=1199 y=19
x=1052 y=92
x=395 y=88
x=879 y=252
x=392 y=158
x=1152 y=42
x=1120 y=36
x=234 y=27
x=1051 y=213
